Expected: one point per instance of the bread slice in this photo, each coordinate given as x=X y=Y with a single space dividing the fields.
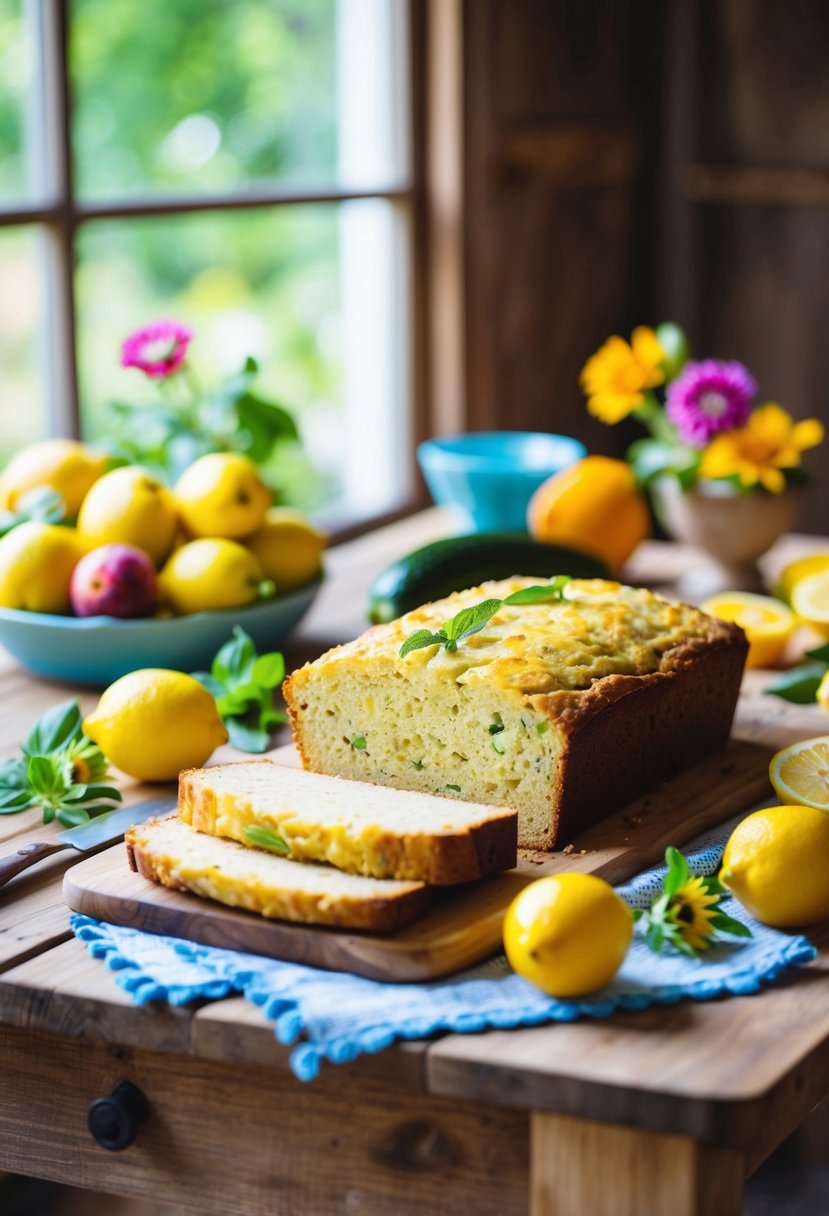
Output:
x=565 y=710
x=357 y=827
x=172 y=853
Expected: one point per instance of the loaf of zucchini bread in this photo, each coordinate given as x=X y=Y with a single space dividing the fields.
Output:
x=565 y=709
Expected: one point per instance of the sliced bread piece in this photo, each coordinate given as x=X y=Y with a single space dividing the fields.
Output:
x=171 y=853
x=357 y=827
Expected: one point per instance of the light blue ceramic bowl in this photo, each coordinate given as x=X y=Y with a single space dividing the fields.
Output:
x=98 y=649
x=489 y=477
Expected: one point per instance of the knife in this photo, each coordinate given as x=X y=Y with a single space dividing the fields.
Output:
x=103 y=829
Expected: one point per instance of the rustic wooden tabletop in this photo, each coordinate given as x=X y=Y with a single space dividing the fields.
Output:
x=664 y=1110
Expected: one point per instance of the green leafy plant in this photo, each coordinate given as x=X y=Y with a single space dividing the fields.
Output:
x=473 y=619
x=60 y=771
x=687 y=914
x=799 y=685
x=243 y=684
x=188 y=421
x=42 y=504
x=264 y=838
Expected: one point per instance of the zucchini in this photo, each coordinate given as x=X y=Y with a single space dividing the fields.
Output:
x=437 y=569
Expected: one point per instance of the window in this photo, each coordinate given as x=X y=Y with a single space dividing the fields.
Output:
x=242 y=165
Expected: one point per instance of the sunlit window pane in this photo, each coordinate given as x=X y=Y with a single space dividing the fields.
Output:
x=272 y=285
x=215 y=97
x=22 y=398
x=16 y=102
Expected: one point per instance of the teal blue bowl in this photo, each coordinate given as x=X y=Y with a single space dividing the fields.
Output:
x=487 y=478
x=99 y=649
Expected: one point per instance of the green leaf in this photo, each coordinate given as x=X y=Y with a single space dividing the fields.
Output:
x=264 y=838
x=798 y=686
x=246 y=738
x=271 y=717
x=728 y=924
x=71 y=817
x=637 y=914
x=13 y=801
x=279 y=423
x=230 y=705
x=44 y=775
x=655 y=937
x=55 y=729
x=470 y=620
x=671 y=337
x=420 y=639
x=653 y=458
x=12 y=774
x=214 y=686
x=91 y=793
x=820 y=653
x=677 y=874
x=269 y=670
x=544 y=593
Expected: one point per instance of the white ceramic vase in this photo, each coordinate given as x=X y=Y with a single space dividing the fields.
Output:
x=731 y=530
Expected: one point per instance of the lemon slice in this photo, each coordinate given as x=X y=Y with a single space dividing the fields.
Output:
x=800 y=773
x=810 y=600
x=796 y=571
x=768 y=624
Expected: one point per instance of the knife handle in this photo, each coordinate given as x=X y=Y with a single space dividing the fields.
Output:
x=27 y=856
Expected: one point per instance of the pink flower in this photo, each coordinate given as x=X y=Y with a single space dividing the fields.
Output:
x=157 y=350
x=710 y=397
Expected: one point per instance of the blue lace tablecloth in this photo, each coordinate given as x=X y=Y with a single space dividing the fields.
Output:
x=334 y=1016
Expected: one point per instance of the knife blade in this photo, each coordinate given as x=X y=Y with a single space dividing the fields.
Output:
x=103 y=829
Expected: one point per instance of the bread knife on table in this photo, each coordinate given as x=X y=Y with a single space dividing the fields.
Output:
x=103 y=829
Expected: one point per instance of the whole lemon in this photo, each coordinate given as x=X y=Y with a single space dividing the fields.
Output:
x=64 y=465
x=207 y=575
x=567 y=934
x=129 y=506
x=288 y=547
x=153 y=723
x=776 y=862
x=222 y=494
x=36 y=564
x=592 y=505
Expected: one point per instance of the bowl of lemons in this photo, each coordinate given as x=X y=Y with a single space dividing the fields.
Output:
x=103 y=572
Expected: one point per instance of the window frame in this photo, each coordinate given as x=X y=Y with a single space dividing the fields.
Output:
x=62 y=214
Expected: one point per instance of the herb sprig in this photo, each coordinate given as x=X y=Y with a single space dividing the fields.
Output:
x=473 y=619
x=243 y=684
x=264 y=838
x=688 y=913
x=60 y=771
x=799 y=685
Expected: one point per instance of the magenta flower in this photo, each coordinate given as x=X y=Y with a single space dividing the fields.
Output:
x=157 y=350
x=710 y=397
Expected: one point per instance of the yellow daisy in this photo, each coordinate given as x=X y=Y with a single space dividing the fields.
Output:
x=758 y=452
x=615 y=378
x=693 y=908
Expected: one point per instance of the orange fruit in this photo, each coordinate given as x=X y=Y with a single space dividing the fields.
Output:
x=593 y=505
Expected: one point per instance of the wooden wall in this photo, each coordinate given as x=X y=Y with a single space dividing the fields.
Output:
x=629 y=160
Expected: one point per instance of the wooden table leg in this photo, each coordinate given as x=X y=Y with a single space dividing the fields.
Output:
x=578 y=1167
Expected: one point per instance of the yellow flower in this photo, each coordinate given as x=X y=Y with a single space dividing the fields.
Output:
x=615 y=378
x=693 y=909
x=759 y=451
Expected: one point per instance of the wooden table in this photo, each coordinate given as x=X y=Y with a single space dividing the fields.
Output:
x=666 y=1110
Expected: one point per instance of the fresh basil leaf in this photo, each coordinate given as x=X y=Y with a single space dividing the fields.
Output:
x=677 y=874
x=230 y=705
x=72 y=817
x=237 y=656
x=798 y=686
x=542 y=593
x=471 y=620
x=213 y=685
x=269 y=670
x=271 y=717
x=820 y=653
x=417 y=641
x=246 y=738
x=43 y=775
x=57 y=727
x=264 y=838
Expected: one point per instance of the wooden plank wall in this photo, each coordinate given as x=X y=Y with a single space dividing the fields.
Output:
x=625 y=160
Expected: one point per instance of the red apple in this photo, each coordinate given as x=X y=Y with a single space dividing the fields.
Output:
x=114 y=580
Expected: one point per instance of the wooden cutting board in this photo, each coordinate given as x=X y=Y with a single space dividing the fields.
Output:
x=464 y=925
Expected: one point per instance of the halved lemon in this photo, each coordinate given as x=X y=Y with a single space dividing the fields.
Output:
x=796 y=571
x=800 y=773
x=810 y=600
x=768 y=623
